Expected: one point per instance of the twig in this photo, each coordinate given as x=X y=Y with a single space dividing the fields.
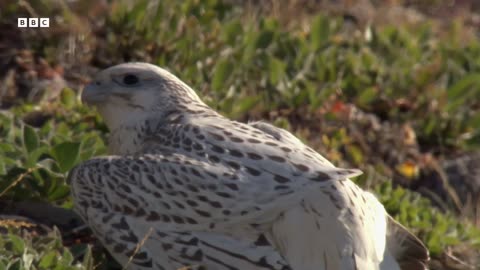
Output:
x=20 y=178
x=457 y=260
x=28 y=7
x=137 y=248
x=448 y=188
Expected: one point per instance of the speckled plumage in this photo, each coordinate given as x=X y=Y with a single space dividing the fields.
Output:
x=209 y=192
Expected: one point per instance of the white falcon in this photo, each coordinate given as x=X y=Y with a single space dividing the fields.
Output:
x=185 y=186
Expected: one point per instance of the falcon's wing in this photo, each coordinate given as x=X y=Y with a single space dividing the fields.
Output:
x=183 y=193
x=165 y=197
x=138 y=245
x=283 y=135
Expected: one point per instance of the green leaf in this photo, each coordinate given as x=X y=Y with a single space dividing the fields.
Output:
x=35 y=155
x=6 y=148
x=223 y=70
x=367 y=96
x=15 y=264
x=88 y=260
x=91 y=143
x=159 y=15
x=137 y=14
x=264 y=39
x=48 y=260
x=232 y=31
x=462 y=90
x=250 y=37
x=60 y=192
x=18 y=245
x=320 y=32
x=30 y=138
x=3 y=168
x=68 y=98
x=67 y=257
x=245 y=105
x=356 y=153
x=66 y=154
x=50 y=165
x=276 y=69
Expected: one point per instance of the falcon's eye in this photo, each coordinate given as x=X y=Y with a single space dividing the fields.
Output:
x=130 y=79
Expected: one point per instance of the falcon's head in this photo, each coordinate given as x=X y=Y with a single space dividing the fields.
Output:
x=134 y=91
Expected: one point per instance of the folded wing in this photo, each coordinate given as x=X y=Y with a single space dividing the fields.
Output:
x=185 y=193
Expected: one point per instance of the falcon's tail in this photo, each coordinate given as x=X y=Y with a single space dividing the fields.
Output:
x=409 y=252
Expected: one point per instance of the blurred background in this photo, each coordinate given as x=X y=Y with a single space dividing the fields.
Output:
x=391 y=87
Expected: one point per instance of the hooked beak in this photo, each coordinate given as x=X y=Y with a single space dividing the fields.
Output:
x=91 y=95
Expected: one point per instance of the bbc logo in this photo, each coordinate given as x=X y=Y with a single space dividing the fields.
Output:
x=33 y=22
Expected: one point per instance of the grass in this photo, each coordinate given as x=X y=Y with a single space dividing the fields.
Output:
x=309 y=76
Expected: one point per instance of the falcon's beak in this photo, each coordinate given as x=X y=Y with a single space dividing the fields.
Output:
x=91 y=95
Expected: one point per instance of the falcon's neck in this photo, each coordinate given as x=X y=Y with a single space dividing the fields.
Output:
x=130 y=138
